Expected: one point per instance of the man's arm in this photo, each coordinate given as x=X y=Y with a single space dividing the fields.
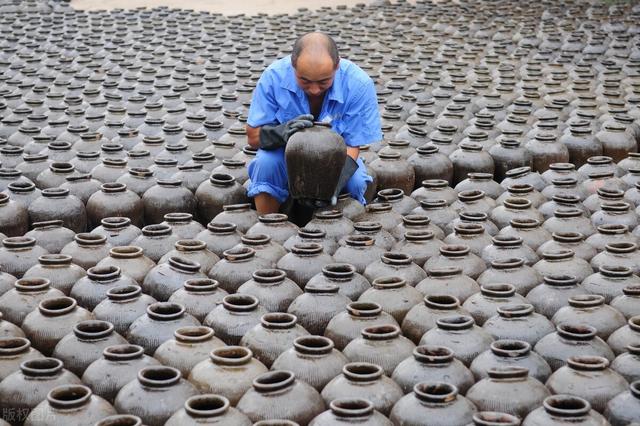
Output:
x=353 y=152
x=253 y=136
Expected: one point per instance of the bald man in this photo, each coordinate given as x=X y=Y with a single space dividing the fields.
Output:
x=312 y=84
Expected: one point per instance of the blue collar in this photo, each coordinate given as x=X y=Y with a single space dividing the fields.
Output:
x=335 y=91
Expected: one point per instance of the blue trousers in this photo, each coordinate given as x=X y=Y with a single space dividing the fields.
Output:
x=268 y=174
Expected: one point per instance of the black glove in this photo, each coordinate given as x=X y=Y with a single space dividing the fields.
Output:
x=349 y=168
x=276 y=136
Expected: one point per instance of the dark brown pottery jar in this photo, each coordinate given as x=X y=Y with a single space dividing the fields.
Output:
x=347 y=410
x=239 y=214
x=394 y=172
x=220 y=237
x=448 y=280
x=275 y=225
x=432 y=364
x=344 y=275
x=460 y=334
x=346 y=326
x=423 y=316
x=275 y=334
x=189 y=346
x=569 y=340
x=58 y=269
x=87 y=250
x=208 y=408
x=590 y=309
x=457 y=255
x=18 y=254
x=157 y=393
x=114 y=200
x=220 y=190
x=156 y=241
x=395 y=264
x=51 y=235
x=624 y=337
x=514 y=271
x=364 y=380
x=59 y=204
x=394 y=294
x=237 y=314
x=24 y=389
x=13 y=352
x=167 y=196
x=228 y=372
x=588 y=377
x=92 y=289
x=439 y=401
x=166 y=278
x=510 y=353
x=313 y=359
x=508 y=390
x=279 y=394
x=25 y=297
x=272 y=288
x=317 y=306
x=304 y=261
x=518 y=322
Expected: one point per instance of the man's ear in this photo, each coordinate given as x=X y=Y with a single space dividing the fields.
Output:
x=337 y=65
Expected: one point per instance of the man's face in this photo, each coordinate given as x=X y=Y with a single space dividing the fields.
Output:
x=314 y=77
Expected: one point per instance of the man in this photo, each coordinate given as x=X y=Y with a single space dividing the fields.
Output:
x=313 y=84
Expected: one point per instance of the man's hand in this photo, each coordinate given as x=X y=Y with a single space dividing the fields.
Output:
x=274 y=137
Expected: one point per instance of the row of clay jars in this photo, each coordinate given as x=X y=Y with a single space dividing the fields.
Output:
x=586 y=368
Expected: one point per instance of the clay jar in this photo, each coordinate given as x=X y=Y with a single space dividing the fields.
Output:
x=51 y=235
x=92 y=289
x=54 y=318
x=85 y=344
x=157 y=393
x=618 y=254
x=195 y=251
x=514 y=208
x=433 y=400
x=70 y=403
x=14 y=218
x=508 y=247
x=452 y=255
x=274 y=335
x=118 y=366
x=212 y=409
x=518 y=321
x=432 y=364
x=114 y=199
x=470 y=158
x=569 y=240
x=514 y=271
x=590 y=309
x=460 y=334
x=239 y=214
x=219 y=237
x=278 y=394
x=381 y=213
x=24 y=389
x=416 y=222
x=332 y=223
x=87 y=250
x=623 y=409
x=590 y=378
x=198 y=296
x=123 y=305
x=383 y=345
x=309 y=235
x=347 y=410
x=220 y=190
x=156 y=241
x=563 y=261
x=264 y=247
x=189 y=346
x=118 y=230
x=58 y=269
x=346 y=326
x=131 y=261
x=275 y=225
x=394 y=172
x=359 y=251
x=554 y=293
x=272 y=288
x=228 y=372
x=367 y=381
x=18 y=254
x=394 y=295
x=162 y=319
x=625 y=337
x=484 y=304
x=304 y=261
x=448 y=280
x=429 y=163
x=570 y=340
x=313 y=359
x=395 y=264
x=472 y=235
x=237 y=314
x=514 y=353
x=59 y=204
x=423 y=316
x=237 y=267
x=628 y=302
x=508 y=390
x=344 y=275
x=166 y=278
x=167 y=196
x=13 y=352
x=317 y=306
x=27 y=293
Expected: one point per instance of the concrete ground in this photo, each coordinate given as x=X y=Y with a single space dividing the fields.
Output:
x=221 y=6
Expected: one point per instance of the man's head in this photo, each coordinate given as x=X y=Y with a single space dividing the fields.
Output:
x=315 y=61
